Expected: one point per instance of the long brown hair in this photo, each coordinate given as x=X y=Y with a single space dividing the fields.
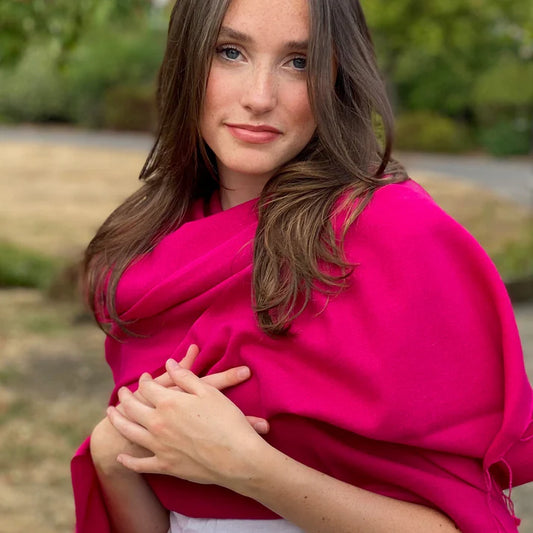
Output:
x=294 y=235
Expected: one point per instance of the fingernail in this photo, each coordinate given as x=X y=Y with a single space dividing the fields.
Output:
x=171 y=364
x=261 y=427
x=145 y=376
x=244 y=372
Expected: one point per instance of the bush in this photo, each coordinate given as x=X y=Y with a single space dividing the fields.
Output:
x=64 y=285
x=107 y=61
x=108 y=56
x=20 y=267
x=511 y=137
x=516 y=260
x=425 y=131
x=503 y=100
x=130 y=108
x=34 y=90
x=506 y=85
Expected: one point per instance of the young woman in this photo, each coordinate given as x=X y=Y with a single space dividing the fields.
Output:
x=275 y=237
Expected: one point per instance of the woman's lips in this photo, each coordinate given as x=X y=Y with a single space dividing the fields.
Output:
x=254 y=134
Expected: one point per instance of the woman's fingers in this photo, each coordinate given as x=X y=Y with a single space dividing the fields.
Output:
x=144 y=465
x=144 y=377
x=260 y=425
x=228 y=378
x=188 y=382
x=192 y=352
x=164 y=380
x=135 y=408
x=184 y=378
x=220 y=380
x=190 y=356
x=128 y=429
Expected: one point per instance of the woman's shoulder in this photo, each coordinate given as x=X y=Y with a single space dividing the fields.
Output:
x=402 y=229
x=404 y=215
x=402 y=205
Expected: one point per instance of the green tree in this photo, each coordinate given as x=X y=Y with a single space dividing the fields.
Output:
x=433 y=52
x=62 y=21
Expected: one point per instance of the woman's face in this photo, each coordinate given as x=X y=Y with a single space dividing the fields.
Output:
x=257 y=114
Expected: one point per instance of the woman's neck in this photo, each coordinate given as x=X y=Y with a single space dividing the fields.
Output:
x=231 y=198
x=237 y=188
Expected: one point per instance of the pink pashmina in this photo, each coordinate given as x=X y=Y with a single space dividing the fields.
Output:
x=409 y=383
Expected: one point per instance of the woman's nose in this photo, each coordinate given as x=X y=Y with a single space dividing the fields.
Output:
x=260 y=91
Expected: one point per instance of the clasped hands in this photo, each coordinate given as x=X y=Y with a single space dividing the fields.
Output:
x=181 y=425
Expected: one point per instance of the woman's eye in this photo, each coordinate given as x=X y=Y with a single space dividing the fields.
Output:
x=232 y=54
x=299 y=63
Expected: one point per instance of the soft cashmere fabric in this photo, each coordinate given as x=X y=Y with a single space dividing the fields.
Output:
x=409 y=383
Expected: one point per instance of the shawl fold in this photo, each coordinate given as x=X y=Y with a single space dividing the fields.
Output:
x=409 y=383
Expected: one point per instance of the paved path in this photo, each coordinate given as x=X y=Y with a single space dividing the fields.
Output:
x=76 y=137
x=511 y=178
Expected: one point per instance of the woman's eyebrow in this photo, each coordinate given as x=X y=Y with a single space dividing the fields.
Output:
x=229 y=33
x=298 y=45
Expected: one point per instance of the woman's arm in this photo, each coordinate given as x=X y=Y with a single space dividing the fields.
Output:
x=218 y=446
x=319 y=503
x=131 y=504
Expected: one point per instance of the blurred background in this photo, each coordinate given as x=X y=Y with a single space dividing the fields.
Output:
x=77 y=81
x=460 y=72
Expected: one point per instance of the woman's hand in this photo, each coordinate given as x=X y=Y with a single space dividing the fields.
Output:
x=107 y=443
x=194 y=433
x=220 y=380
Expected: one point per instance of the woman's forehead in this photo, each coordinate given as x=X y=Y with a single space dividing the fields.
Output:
x=251 y=19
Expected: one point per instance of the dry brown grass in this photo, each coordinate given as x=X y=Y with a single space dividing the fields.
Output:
x=53 y=387
x=55 y=197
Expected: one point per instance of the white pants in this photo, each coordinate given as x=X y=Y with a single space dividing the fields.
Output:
x=184 y=524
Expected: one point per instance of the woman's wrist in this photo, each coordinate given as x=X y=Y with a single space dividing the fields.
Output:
x=258 y=463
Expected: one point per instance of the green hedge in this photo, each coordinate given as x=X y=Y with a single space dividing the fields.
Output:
x=425 y=131
x=507 y=85
x=20 y=267
x=107 y=65
x=516 y=260
x=34 y=90
x=503 y=102
x=507 y=138
x=128 y=107
x=105 y=82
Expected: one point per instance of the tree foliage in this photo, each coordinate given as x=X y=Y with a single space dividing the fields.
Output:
x=23 y=22
x=433 y=52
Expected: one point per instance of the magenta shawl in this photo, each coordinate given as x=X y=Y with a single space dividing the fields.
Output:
x=410 y=383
